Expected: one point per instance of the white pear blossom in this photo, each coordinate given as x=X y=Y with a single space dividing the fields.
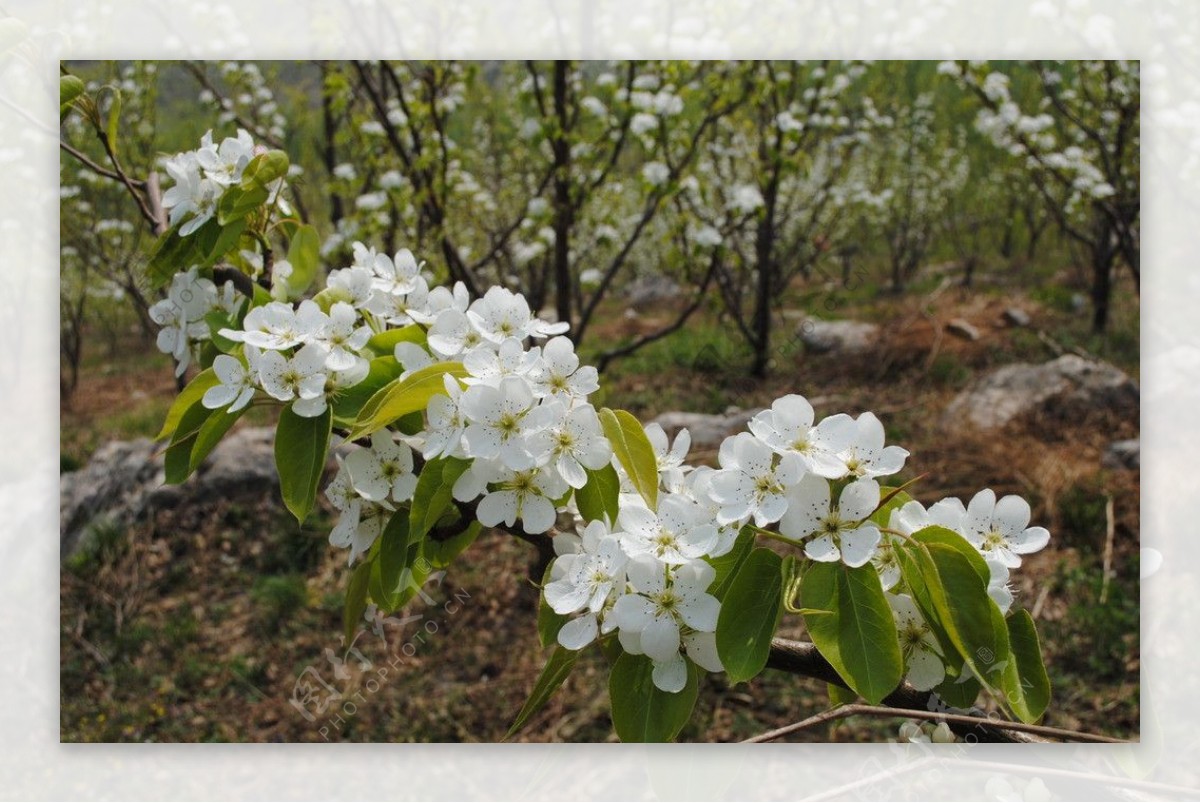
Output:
x=236 y=387
x=841 y=533
x=587 y=580
x=361 y=520
x=922 y=655
x=571 y=439
x=342 y=337
x=669 y=456
x=1000 y=529
x=489 y=365
x=446 y=422
x=301 y=376
x=526 y=494
x=383 y=472
x=498 y=425
x=559 y=373
x=867 y=456
x=677 y=533
x=698 y=487
x=278 y=327
x=752 y=482
x=502 y=314
x=452 y=334
x=787 y=427
x=668 y=602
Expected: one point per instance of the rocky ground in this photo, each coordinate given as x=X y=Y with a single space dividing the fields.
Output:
x=204 y=613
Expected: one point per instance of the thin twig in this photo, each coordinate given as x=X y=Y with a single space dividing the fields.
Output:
x=844 y=711
x=1110 y=529
x=83 y=159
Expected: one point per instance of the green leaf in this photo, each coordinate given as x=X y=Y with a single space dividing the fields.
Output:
x=641 y=712
x=191 y=394
x=728 y=564
x=264 y=169
x=390 y=575
x=210 y=434
x=384 y=343
x=433 y=494
x=549 y=622
x=598 y=498
x=114 y=119
x=441 y=554
x=953 y=598
x=178 y=460
x=69 y=89
x=237 y=201
x=852 y=625
x=356 y=599
x=951 y=539
x=750 y=615
x=304 y=254
x=1025 y=684
x=839 y=695
x=203 y=247
x=959 y=695
x=633 y=449
x=217 y=321
x=348 y=402
x=404 y=396
x=301 y=448
x=558 y=667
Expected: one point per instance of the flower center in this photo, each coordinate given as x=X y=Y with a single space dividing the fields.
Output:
x=994 y=540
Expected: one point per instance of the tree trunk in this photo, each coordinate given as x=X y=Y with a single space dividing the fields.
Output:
x=1102 y=259
x=563 y=212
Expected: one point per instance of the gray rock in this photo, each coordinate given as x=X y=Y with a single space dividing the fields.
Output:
x=123 y=482
x=960 y=328
x=1015 y=316
x=837 y=337
x=1123 y=455
x=1069 y=384
x=707 y=431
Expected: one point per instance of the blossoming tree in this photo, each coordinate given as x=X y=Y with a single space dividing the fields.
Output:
x=463 y=412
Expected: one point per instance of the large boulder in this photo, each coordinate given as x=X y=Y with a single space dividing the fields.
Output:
x=1069 y=385
x=123 y=482
x=648 y=291
x=837 y=337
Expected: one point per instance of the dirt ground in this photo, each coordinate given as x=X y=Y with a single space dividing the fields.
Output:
x=223 y=624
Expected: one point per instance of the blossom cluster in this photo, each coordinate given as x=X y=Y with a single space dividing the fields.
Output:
x=181 y=316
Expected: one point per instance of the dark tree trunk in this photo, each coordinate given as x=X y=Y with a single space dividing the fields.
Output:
x=563 y=213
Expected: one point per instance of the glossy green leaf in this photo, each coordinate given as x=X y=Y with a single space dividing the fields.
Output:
x=633 y=449
x=210 y=434
x=1025 y=684
x=236 y=202
x=433 y=496
x=750 y=615
x=191 y=394
x=304 y=254
x=598 y=499
x=851 y=623
x=728 y=564
x=959 y=695
x=557 y=669
x=383 y=344
x=348 y=402
x=390 y=574
x=641 y=712
x=69 y=89
x=114 y=119
x=839 y=695
x=442 y=553
x=177 y=461
x=951 y=539
x=404 y=396
x=301 y=449
x=890 y=499
x=265 y=169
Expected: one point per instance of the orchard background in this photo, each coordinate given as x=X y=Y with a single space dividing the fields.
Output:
x=687 y=219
